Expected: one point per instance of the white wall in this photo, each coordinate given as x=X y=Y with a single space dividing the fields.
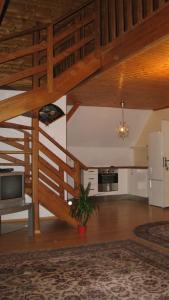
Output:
x=103 y=156
x=92 y=135
x=57 y=130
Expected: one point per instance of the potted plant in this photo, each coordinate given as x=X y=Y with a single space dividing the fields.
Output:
x=82 y=208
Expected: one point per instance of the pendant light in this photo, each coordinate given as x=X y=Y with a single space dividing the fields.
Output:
x=123 y=129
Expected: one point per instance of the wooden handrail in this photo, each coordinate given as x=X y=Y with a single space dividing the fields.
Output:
x=72 y=49
x=4 y=57
x=44 y=163
x=50 y=171
x=56 y=159
x=15 y=126
x=72 y=29
x=11 y=159
x=69 y=154
x=50 y=182
x=12 y=142
x=23 y=74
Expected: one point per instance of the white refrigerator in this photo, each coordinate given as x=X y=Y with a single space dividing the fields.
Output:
x=158 y=171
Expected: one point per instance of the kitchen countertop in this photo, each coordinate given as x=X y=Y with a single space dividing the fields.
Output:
x=119 y=167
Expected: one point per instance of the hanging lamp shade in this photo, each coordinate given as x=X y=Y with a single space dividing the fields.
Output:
x=123 y=129
x=49 y=113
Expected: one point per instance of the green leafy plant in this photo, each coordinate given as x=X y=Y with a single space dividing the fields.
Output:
x=83 y=207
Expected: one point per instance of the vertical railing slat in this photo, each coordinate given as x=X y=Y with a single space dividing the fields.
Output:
x=139 y=11
x=50 y=58
x=128 y=18
x=112 y=22
x=161 y=3
x=35 y=179
x=120 y=17
x=104 y=22
x=149 y=7
x=97 y=23
x=26 y=157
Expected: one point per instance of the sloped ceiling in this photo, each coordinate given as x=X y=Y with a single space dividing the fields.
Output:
x=96 y=127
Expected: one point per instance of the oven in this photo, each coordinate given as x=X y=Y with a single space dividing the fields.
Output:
x=107 y=180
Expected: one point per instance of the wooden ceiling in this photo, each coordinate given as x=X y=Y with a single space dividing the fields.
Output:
x=24 y=14
x=142 y=81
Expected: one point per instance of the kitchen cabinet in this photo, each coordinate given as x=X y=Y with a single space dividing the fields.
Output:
x=138 y=182
x=91 y=175
x=130 y=181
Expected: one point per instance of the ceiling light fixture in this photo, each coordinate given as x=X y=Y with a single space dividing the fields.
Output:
x=123 y=129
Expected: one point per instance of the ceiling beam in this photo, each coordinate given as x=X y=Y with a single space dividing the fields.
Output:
x=142 y=36
x=72 y=110
x=3 y=7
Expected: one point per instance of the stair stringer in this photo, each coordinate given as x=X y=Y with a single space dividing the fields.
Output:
x=55 y=204
x=22 y=103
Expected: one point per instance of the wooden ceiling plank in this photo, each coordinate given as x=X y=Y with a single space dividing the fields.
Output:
x=22 y=74
x=4 y=57
x=3 y=7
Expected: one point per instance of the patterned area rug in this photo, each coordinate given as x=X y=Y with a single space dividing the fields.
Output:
x=117 y=270
x=157 y=232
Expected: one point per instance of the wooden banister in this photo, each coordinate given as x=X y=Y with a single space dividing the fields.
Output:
x=49 y=182
x=56 y=159
x=50 y=171
x=61 y=148
x=73 y=28
x=4 y=57
x=15 y=126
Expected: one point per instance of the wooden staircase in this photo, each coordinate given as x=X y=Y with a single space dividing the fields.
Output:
x=61 y=56
x=52 y=186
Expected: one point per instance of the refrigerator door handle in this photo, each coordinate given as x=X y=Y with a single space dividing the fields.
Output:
x=165 y=163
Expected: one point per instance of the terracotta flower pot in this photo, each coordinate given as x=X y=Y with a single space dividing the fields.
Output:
x=82 y=229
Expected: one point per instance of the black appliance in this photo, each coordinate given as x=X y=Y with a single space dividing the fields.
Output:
x=107 y=179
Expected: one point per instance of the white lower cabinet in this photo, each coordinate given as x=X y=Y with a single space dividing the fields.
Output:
x=130 y=181
x=91 y=175
x=138 y=182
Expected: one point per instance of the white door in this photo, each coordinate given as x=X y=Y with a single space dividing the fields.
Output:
x=155 y=156
x=165 y=149
x=156 y=196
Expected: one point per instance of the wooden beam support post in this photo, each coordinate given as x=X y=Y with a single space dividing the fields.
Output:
x=26 y=157
x=72 y=111
x=35 y=179
x=35 y=148
x=50 y=59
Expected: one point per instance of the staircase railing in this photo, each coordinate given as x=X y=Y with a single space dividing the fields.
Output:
x=60 y=172
x=50 y=50
x=120 y=16
x=65 y=173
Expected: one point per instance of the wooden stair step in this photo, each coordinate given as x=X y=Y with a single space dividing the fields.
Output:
x=55 y=204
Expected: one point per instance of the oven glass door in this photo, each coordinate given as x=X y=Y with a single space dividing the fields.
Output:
x=107 y=182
